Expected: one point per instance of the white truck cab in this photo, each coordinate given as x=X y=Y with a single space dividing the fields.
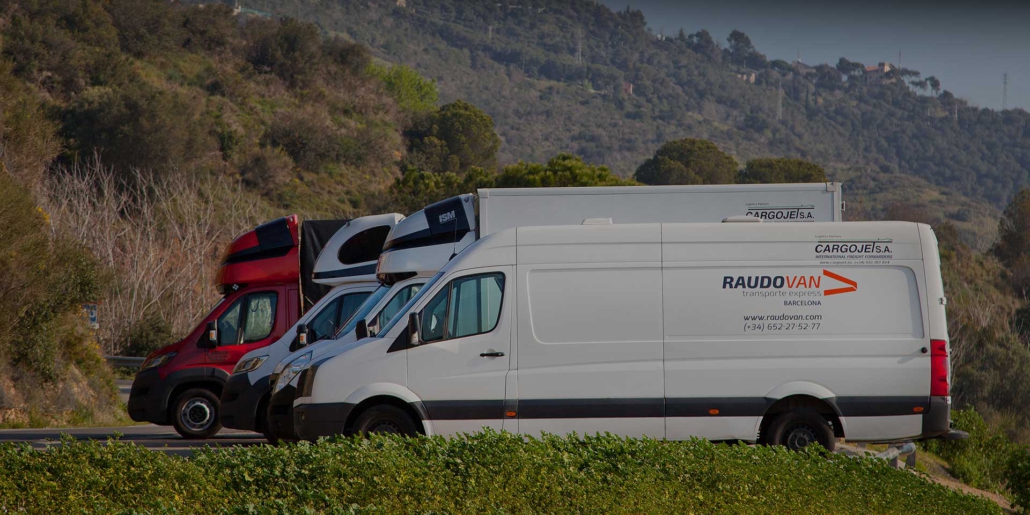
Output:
x=347 y=263
x=779 y=333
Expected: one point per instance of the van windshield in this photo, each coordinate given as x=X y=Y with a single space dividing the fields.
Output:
x=402 y=313
x=362 y=311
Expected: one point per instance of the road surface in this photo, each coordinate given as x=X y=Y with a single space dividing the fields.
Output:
x=158 y=438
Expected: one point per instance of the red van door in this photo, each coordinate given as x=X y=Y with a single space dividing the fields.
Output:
x=253 y=320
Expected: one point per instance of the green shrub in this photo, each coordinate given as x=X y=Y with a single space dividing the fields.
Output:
x=563 y=170
x=981 y=460
x=45 y=281
x=412 y=92
x=147 y=335
x=1019 y=478
x=484 y=473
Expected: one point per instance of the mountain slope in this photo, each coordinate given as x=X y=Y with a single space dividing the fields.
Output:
x=572 y=75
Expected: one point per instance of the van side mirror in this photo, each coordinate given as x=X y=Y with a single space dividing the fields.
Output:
x=414 y=329
x=361 y=329
x=209 y=339
x=303 y=335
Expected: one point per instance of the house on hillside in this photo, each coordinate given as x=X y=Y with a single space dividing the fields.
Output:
x=878 y=74
x=238 y=10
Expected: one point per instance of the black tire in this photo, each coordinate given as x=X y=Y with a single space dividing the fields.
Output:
x=195 y=414
x=385 y=419
x=266 y=427
x=798 y=428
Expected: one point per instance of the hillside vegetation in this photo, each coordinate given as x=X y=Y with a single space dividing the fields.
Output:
x=575 y=76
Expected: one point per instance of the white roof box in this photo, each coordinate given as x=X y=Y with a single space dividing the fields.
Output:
x=425 y=241
x=352 y=253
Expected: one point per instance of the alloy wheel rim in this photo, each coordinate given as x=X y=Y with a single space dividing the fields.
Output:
x=197 y=414
x=800 y=436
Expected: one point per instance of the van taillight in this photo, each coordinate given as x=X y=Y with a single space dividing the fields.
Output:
x=939 y=368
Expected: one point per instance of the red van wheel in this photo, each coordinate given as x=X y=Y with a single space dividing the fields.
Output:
x=196 y=414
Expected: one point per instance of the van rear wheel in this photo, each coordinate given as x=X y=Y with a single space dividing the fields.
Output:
x=195 y=415
x=385 y=419
x=797 y=429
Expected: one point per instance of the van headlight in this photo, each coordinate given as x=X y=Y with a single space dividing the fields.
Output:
x=157 y=361
x=290 y=371
x=249 y=364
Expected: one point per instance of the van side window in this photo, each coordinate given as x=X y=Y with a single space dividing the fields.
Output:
x=465 y=307
x=396 y=303
x=475 y=305
x=324 y=323
x=260 y=316
x=348 y=306
x=434 y=316
x=229 y=323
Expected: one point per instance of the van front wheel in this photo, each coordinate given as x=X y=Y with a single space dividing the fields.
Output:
x=385 y=419
x=796 y=429
x=196 y=414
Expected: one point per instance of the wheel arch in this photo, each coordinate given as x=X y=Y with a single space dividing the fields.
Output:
x=209 y=378
x=798 y=395
x=391 y=394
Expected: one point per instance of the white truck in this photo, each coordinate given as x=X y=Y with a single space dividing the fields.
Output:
x=779 y=333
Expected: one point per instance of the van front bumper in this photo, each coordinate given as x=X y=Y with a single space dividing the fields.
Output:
x=241 y=402
x=312 y=421
x=280 y=413
x=148 y=399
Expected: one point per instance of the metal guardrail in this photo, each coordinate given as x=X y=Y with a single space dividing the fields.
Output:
x=894 y=453
x=125 y=361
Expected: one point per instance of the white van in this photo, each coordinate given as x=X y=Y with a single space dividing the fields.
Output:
x=781 y=333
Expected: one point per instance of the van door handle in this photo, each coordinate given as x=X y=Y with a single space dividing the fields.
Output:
x=491 y=354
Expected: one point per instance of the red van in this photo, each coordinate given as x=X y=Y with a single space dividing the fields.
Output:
x=263 y=296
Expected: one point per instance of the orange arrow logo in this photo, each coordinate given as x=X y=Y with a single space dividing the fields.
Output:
x=852 y=285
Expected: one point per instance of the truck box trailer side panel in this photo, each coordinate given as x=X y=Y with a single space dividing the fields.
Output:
x=501 y=209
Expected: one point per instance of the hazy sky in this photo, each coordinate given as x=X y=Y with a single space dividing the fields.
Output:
x=968 y=45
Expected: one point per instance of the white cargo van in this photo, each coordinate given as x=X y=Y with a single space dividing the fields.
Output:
x=782 y=333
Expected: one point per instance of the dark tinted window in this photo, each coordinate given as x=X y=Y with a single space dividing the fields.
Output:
x=324 y=323
x=350 y=305
x=364 y=246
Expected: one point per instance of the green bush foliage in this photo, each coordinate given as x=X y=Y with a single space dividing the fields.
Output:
x=1019 y=478
x=412 y=92
x=147 y=335
x=779 y=170
x=456 y=138
x=44 y=283
x=980 y=461
x=688 y=161
x=484 y=473
x=563 y=170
